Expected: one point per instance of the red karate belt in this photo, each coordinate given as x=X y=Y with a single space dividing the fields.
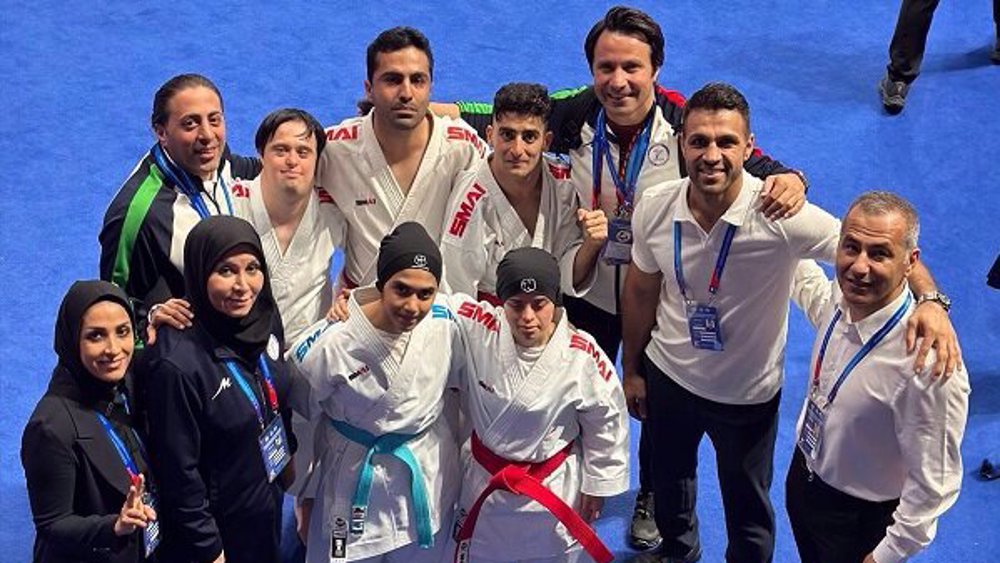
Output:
x=524 y=478
x=348 y=282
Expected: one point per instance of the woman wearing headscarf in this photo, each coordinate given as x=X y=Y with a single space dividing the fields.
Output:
x=86 y=471
x=215 y=396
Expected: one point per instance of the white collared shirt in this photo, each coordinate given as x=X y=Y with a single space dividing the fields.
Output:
x=889 y=433
x=752 y=300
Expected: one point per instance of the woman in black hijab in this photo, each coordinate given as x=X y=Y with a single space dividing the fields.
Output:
x=85 y=466
x=214 y=397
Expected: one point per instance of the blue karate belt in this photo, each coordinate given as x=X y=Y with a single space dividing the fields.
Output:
x=395 y=445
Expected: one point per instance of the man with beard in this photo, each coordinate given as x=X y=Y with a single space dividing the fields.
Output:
x=399 y=162
x=709 y=358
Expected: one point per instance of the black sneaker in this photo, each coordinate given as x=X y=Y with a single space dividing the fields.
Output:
x=642 y=533
x=995 y=53
x=893 y=94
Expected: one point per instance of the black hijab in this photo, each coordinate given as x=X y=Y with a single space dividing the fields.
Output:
x=207 y=243
x=70 y=377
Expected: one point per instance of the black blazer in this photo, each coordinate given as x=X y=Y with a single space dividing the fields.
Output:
x=76 y=482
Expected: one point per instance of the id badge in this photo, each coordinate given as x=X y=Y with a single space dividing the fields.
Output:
x=151 y=533
x=812 y=429
x=274 y=448
x=705 y=328
x=618 y=248
x=338 y=541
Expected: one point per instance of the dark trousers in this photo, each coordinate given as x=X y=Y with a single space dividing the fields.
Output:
x=906 y=51
x=606 y=328
x=743 y=437
x=831 y=526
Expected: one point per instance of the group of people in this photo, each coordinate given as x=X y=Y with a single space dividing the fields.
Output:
x=452 y=394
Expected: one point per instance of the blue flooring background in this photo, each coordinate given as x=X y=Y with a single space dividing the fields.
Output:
x=77 y=80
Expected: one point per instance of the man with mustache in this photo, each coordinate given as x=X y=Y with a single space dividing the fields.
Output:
x=399 y=162
x=708 y=359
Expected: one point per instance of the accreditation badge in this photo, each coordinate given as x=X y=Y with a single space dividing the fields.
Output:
x=338 y=541
x=618 y=248
x=151 y=533
x=704 y=326
x=812 y=427
x=274 y=448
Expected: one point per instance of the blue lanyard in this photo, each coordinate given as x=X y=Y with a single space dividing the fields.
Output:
x=860 y=355
x=183 y=183
x=123 y=453
x=720 y=262
x=602 y=152
x=245 y=387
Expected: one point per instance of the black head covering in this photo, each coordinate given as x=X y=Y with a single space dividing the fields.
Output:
x=207 y=243
x=528 y=270
x=407 y=246
x=70 y=376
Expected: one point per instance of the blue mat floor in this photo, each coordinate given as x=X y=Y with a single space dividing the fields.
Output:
x=78 y=80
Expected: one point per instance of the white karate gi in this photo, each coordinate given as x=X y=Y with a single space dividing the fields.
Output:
x=481 y=226
x=354 y=171
x=571 y=393
x=355 y=377
x=300 y=278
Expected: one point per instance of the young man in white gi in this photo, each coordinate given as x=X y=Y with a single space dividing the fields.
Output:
x=399 y=162
x=519 y=198
x=878 y=458
x=709 y=357
x=550 y=437
x=387 y=473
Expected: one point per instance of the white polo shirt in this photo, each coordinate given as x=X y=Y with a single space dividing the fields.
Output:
x=889 y=433
x=752 y=300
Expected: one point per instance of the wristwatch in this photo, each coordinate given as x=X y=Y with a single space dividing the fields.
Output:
x=937 y=297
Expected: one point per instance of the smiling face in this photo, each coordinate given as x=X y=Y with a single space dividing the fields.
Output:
x=518 y=141
x=872 y=260
x=406 y=298
x=715 y=144
x=531 y=319
x=106 y=341
x=235 y=282
x=289 y=159
x=400 y=88
x=624 y=77
x=194 y=133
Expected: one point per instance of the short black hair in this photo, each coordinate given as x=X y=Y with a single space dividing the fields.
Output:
x=522 y=98
x=170 y=88
x=628 y=21
x=716 y=96
x=396 y=39
x=277 y=118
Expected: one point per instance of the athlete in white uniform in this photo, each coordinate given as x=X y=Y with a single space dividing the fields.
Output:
x=299 y=225
x=519 y=198
x=542 y=397
x=399 y=162
x=387 y=475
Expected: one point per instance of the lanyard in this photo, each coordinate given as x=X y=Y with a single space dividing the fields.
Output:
x=184 y=184
x=272 y=395
x=123 y=453
x=602 y=152
x=860 y=355
x=720 y=262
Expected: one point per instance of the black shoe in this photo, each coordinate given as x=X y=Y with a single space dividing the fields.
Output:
x=658 y=556
x=995 y=53
x=989 y=471
x=642 y=533
x=893 y=94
